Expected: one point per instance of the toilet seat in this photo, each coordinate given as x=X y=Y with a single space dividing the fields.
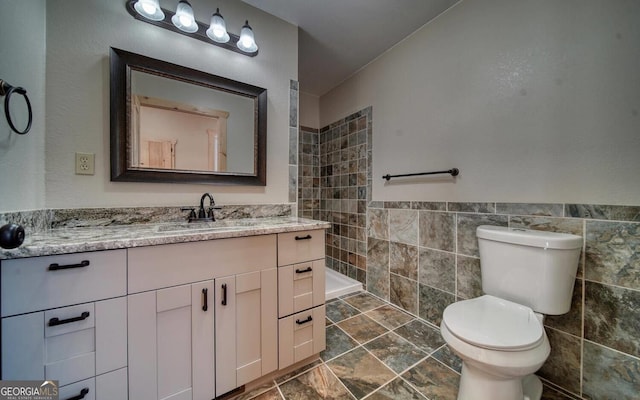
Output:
x=493 y=323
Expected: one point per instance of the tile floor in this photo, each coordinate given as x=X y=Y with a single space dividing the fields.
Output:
x=374 y=351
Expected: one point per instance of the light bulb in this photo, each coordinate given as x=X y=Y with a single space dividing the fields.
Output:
x=217 y=28
x=247 y=41
x=150 y=9
x=183 y=19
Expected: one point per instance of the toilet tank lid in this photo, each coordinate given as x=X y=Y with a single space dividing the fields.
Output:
x=528 y=237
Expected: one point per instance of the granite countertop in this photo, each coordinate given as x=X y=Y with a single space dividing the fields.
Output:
x=74 y=240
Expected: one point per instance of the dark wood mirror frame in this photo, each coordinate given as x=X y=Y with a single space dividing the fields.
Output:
x=121 y=64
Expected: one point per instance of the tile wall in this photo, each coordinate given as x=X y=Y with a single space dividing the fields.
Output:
x=293 y=140
x=335 y=186
x=423 y=256
x=309 y=173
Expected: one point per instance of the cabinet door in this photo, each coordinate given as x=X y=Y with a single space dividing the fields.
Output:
x=246 y=328
x=23 y=352
x=171 y=343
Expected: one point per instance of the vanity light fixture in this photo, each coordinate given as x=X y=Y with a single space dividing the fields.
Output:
x=218 y=29
x=149 y=9
x=183 y=19
x=247 y=42
x=183 y=22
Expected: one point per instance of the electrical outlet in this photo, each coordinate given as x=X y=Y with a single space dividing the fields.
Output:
x=85 y=163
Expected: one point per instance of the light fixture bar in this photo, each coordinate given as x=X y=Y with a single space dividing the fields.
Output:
x=200 y=34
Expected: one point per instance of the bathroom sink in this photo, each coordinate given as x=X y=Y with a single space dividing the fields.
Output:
x=225 y=224
x=194 y=227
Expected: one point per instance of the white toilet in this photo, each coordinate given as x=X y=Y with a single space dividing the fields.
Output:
x=499 y=336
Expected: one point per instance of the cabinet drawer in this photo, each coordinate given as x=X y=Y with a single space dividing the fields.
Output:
x=301 y=335
x=110 y=386
x=66 y=344
x=86 y=390
x=297 y=247
x=300 y=287
x=33 y=284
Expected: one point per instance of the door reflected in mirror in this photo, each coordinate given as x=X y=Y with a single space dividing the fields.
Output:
x=174 y=124
x=177 y=125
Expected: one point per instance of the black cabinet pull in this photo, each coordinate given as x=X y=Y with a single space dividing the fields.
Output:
x=83 y=393
x=57 y=321
x=309 y=319
x=56 y=267
x=302 y=271
x=303 y=237
x=205 y=300
x=224 y=294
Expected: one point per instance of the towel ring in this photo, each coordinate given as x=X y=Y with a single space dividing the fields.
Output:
x=7 y=90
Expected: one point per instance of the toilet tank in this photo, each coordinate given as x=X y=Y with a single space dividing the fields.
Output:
x=533 y=268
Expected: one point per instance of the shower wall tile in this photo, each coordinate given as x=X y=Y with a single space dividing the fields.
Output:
x=378 y=223
x=469 y=278
x=293 y=183
x=550 y=224
x=378 y=281
x=403 y=292
x=429 y=205
x=611 y=317
x=344 y=189
x=466 y=230
x=403 y=226
x=293 y=104
x=538 y=209
x=398 y=204
x=294 y=179
x=378 y=267
x=484 y=208
x=403 y=260
x=437 y=269
x=612 y=254
x=607 y=212
x=432 y=303
x=608 y=374
x=293 y=146
x=563 y=365
x=437 y=230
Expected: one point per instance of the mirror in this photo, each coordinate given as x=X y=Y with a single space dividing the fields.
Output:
x=174 y=124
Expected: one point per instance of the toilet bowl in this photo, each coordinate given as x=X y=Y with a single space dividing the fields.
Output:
x=501 y=345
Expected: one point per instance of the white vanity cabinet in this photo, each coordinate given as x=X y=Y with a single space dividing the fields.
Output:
x=64 y=318
x=301 y=294
x=181 y=321
x=180 y=349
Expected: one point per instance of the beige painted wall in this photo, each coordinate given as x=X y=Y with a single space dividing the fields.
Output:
x=309 y=110
x=79 y=34
x=22 y=63
x=533 y=101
